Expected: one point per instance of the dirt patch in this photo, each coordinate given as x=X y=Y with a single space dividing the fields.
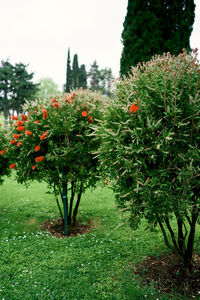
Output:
x=165 y=274
x=55 y=227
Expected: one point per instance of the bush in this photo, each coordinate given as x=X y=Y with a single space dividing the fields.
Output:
x=53 y=141
x=4 y=163
x=150 y=148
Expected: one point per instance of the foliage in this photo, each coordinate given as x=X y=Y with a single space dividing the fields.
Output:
x=75 y=72
x=53 y=141
x=68 y=74
x=47 y=88
x=4 y=163
x=15 y=85
x=150 y=147
x=152 y=27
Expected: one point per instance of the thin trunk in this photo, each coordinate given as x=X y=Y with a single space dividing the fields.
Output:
x=173 y=237
x=58 y=204
x=71 y=202
x=76 y=206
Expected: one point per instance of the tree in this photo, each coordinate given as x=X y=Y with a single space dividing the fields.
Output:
x=154 y=27
x=47 y=88
x=6 y=88
x=150 y=148
x=94 y=75
x=54 y=141
x=68 y=74
x=106 y=81
x=75 y=72
x=23 y=87
x=82 y=77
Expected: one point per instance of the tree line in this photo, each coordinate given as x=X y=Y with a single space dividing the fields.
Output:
x=95 y=79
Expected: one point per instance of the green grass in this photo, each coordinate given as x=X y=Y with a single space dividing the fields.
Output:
x=97 y=265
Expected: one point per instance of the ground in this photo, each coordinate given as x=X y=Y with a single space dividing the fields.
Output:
x=162 y=272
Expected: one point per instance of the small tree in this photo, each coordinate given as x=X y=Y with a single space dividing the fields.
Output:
x=150 y=148
x=4 y=162
x=53 y=141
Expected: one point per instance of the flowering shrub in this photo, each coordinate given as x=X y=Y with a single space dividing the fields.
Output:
x=150 y=148
x=4 y=163
x=53 y=141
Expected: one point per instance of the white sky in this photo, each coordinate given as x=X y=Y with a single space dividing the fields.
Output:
x=39 y=33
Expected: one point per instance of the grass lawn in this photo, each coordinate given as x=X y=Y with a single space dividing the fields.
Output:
x=97 y=265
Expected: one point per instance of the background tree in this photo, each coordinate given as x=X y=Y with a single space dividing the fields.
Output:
x=150 y=151
x=75 y=72
x=47 y=88
x=95 y=77
x=68 y=74
x=82 y=77
x=106 y=81
x=6 y=88
x=154 y=27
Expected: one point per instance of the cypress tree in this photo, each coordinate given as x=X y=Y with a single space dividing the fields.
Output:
x=83 y=77
x=75 y=72
x=68 y=74
x=153 y=27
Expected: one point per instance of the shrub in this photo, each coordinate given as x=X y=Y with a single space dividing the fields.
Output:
x=150 y=148
x=4 y=163
x=53 y=141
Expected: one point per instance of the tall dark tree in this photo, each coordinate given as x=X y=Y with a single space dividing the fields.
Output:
x=153 y=27
x=6 y=88
x=75 y=72
x=82 y=77
x=68 y=74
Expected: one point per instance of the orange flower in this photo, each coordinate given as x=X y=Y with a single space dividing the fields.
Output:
x=16 y=136
x=13 y=166
x=33 y=167
x=21 y=128
x=37 y=148
x=0 y=124
x=14 y=118
x=19 y=123
x=44 y=114
x=56 y=105
x=37 y=122
x=28 y=133
x=13 y=142
x=24 y=117
x=69 y=100
x=134 y=107
x=90 y=119
x=54 y=100
x=39 y=158
x=19 y=144
x=2 y=152
x=44 y=135
x=84 y=113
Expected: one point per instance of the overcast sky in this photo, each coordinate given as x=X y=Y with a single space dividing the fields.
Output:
x=39 y=33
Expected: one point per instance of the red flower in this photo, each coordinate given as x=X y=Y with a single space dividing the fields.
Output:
x=13 y=142
x=28 y=133
x=0 y=124
x=16 y=136
x=19 y=144
x=21 y=128
x=24 y=117
x=37 y=148
x=2 y=152
x=19 y=123
x=84 y=113
x=39 y=158
x=33 y=167
x=56 y=105
x=134 y=107
x=44 y=114
x=54 y=100
x=90 y=119
x=13 y=166
x=14 y=118
x=44 y=135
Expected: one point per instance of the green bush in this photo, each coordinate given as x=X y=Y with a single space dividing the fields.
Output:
x=53 y=141
x=4 y=163
x=150 y=149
